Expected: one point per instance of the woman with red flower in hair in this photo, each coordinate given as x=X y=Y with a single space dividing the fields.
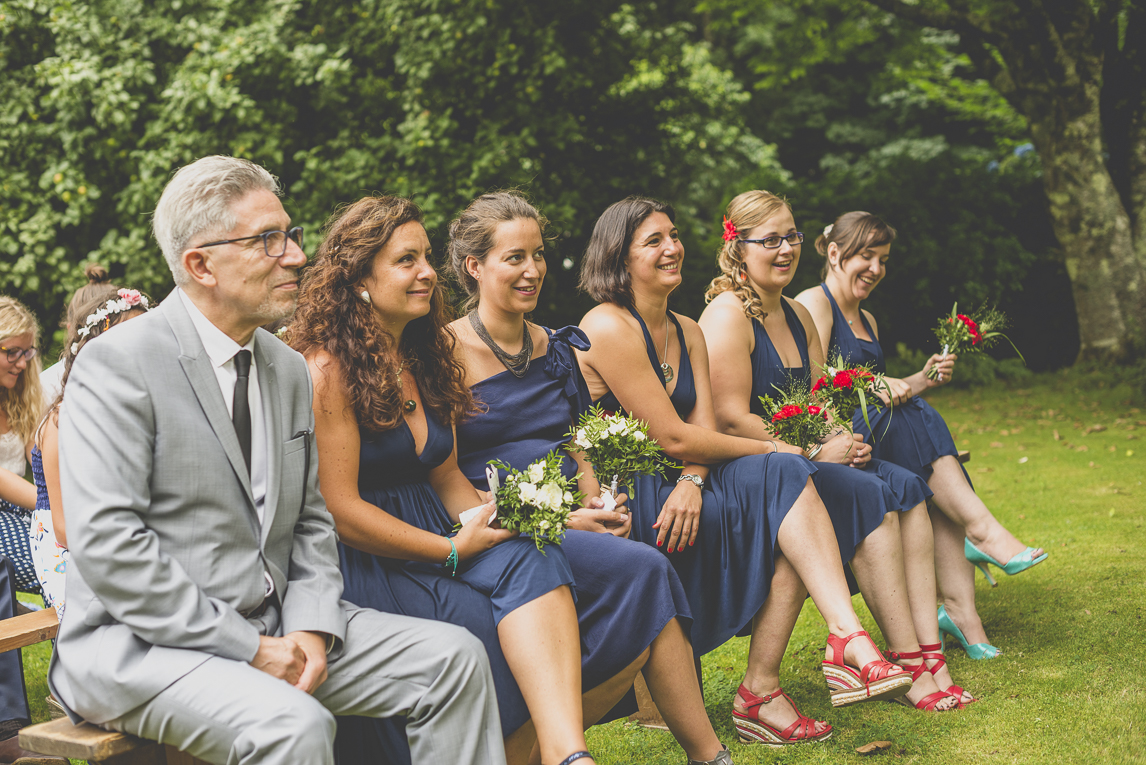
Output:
x=760 y=341
x=856 y=248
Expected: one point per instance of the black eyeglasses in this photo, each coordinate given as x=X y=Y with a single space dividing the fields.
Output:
x=15 y=354
x=274 y=242
x=772 y=242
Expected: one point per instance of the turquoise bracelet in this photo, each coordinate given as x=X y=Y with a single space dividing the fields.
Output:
x=452 y=560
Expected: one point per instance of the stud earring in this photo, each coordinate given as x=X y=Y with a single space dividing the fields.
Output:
x=364 y=296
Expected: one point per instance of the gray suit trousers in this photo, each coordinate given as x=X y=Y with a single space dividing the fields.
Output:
x=227 y=712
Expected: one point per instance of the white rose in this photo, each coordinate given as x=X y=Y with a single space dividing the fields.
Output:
x=617 y=427
x=527 y=492
x=638 y=436
x=569 y=498
x=536 y=472
x=581 y=441
x=544 y=525
x=549 y=496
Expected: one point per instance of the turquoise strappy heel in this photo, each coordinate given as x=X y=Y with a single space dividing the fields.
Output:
x=1019 y=563
x=974 y=650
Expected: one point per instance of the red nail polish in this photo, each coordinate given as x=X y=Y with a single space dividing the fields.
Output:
x=658 y=543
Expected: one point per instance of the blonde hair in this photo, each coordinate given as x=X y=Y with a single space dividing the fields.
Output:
x=745 y=211
x=23 y=403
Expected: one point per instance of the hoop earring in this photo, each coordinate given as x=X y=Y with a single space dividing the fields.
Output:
x=364 y=296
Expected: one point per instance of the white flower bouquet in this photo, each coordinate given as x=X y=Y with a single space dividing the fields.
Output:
x=618 y=448
x=537 y=501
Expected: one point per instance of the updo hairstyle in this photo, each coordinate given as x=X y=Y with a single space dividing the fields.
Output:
x=472 y=233
x=746 y=211
x=605 y=267
x=852 y=233
x=331 y=317
x=99 y=282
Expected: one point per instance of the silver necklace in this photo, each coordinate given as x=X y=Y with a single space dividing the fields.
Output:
x=666 y=369
x=517 y=363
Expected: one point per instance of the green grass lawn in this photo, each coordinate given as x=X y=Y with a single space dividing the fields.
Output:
x=1061 y=462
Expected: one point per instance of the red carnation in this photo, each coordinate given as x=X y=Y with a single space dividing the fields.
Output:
x=842 y=379
x=730 y=231
x=821 y=383
x=791 y=410
x=817 y=410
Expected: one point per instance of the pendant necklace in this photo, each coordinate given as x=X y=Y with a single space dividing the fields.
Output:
x=517 y=363
x=666 y=368
x=409 y=405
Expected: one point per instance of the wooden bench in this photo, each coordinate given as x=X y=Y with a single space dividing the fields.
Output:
x=647 y=714
x=60 y=738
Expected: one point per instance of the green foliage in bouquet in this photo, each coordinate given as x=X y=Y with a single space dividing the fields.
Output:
x=845 y=388
x=963 y=334
x=618 y=448
x=537 y=501
x=793 y=418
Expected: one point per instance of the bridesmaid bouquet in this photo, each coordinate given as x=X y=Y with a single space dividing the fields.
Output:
x=618 y=448
x=960 y=333
x=793 y=418
x=846 y=388
x=537 y=501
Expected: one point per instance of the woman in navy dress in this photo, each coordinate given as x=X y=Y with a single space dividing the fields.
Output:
x=740 y=520
x=632 y=609
x=758 y=341
x=371 y=322
x=856 y=249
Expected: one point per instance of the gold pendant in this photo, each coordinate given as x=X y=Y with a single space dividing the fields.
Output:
x=667 y=372
x=410 y=406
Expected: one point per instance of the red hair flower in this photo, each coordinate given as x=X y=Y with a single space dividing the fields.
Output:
x=730 y=231
x=791 y=410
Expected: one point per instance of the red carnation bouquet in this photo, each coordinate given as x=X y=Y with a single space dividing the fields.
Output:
x=845 y=388
x=793 y=418
x=963 y=334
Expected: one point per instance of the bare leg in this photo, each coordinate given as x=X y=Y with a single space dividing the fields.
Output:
x=955 y=577
x=879 y=568
x=596 y=703
x=771 y=631
x=919 y=566
x=809 y=543
x=541 y=645
x=675 y=688
x=959 y=502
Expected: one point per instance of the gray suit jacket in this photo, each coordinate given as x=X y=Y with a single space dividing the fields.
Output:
x=166 y=548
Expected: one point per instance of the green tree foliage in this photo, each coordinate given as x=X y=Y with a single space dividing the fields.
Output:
x=579 y=103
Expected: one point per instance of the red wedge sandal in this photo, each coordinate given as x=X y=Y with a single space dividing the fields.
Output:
x=752 y=730
x=931 y=701
x=934 y=652
x=877 y=680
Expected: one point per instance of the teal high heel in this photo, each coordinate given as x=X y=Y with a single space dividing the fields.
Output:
x=975 y=651
x=1019 y=563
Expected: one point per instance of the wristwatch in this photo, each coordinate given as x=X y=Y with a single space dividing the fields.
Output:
x=693 y=479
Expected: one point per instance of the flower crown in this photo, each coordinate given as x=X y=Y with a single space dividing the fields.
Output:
x=730 y=231
x=129 y=300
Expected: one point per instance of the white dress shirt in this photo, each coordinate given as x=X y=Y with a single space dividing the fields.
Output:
x=221 y=350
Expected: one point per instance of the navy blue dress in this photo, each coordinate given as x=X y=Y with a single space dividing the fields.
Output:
x=728 y=572
x=911 y=435
x=856 y=499
x=393 y=477
x=626 y=592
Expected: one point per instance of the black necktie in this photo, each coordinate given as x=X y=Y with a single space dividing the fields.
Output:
x=240 y=407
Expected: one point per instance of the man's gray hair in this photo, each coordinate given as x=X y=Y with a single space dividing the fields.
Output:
x=196 y=204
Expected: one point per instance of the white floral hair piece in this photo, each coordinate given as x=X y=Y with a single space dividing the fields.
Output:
x=828 y=229
x=128 y=300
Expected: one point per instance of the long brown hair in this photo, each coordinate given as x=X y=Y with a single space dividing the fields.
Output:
x=745 y=211
x=332 y=318
x=853 y=232
x=23 y=403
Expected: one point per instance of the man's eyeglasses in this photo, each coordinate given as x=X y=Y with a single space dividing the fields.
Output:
x=772 y=242
x=274 y=242
x=15 y=354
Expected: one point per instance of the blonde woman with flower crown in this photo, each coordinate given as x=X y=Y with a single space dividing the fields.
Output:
x=96 y=313
x=20 y=404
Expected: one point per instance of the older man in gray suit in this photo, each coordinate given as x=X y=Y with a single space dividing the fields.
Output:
x=204 y=596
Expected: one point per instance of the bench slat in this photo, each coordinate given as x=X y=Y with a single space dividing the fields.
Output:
x=28 y=629
x=80 y=742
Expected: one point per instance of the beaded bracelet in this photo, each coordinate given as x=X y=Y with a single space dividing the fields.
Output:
x=452 y=559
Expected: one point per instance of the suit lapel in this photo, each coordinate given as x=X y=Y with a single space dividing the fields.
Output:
x=272 y=416
x=197 y=366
